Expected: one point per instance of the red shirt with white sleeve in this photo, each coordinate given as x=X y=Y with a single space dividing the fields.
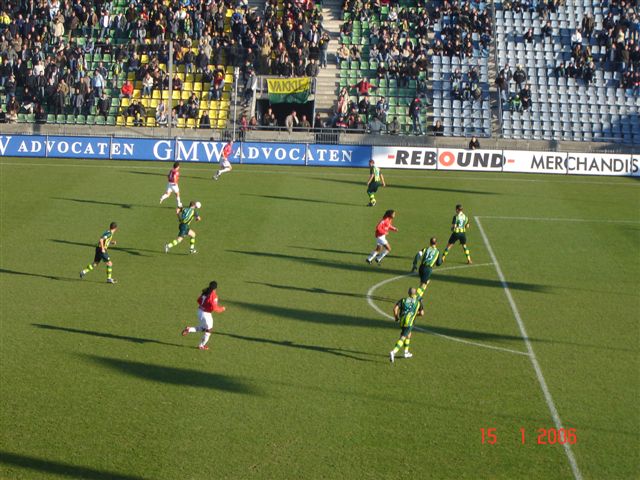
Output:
x=226 y=151
x=384 y=226
x=174 y=175
x=210 y=303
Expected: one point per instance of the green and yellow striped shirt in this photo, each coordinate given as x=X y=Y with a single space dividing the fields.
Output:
x=430 y=256
x=106 y=237
x=187 y=215
x=460 y=223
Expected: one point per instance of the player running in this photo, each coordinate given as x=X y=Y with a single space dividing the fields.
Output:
x=172 y=186
x=459 y=227
x=101 y=255
x=207 y=303
x=185 y=217
x=224 y=160
x=375 y=180
x=427 y=258
x=405 y=311
x=382 y=245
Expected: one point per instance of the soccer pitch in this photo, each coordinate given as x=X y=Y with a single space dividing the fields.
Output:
x=540 y=333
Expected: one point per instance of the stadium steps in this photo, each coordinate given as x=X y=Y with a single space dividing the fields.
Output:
x=328 y=80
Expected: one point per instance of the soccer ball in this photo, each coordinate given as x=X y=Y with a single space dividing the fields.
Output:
x=198 y=205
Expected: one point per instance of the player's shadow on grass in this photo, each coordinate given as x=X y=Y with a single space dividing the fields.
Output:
x=50 y=467
x=341 y=252
x=408 y=187
x=38 y=275
x=116 y=248
x=480 y=282
x=313 y=316
x=183 y=377
x=96 y=202
x=340 y=352
x=324 y=291
x=301 y=199
x=110 y=336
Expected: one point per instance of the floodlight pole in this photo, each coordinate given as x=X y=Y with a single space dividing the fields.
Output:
x=170 y=68
x=235 y=104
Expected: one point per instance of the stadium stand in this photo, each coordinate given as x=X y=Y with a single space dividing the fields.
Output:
x=582 y=64
x=59 y=59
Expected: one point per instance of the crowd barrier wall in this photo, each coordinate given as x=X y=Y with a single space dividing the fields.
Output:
x=517 y=161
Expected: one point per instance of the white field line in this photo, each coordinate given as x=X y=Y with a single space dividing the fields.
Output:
x=557 y=219
x=261 y=170
x=532 y=356
x=426 y=330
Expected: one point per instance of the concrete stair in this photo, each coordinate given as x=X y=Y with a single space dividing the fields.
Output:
x=328 y=80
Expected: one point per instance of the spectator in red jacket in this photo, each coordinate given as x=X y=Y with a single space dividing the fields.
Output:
x=127 y=89
x=363 y=87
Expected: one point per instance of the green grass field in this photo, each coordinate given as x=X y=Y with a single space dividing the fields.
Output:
x=97 y=383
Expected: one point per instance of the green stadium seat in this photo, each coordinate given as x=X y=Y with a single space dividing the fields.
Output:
x=61 y=119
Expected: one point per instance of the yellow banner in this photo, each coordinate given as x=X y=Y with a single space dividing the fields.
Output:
x=284 y=86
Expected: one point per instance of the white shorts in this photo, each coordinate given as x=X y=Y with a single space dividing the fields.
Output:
x=225 y=163
x=382 y=240
x=173 y=187
x=206 y=319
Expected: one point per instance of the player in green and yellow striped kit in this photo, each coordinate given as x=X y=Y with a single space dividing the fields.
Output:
x=375 y=180
x=405 y=312
x=427 y=258
x=185 y=216
x=459 y=227
x=101 y=254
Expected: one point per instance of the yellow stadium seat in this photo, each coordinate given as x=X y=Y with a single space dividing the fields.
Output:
x=145 y=102
x=125 y=102
x=153 y=103
x=213 y=116
x=197 y=86
x=131 y=76
x=144 y=59
x=222 y=123
x=185 y=95
x=181 y=75
x=187 y=86
x=137 y=93
x=181 y=123
x=156 y=94
x=120 y=120
x=151 y=122
x=176 y=95
x=191 y=123
x=165 y=94
x=188 y=77
x=198 y=77
x=204 y=104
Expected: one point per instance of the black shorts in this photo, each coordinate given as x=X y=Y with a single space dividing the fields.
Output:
x=406 y=331
x=373 y=187
x=425 y=273
x=183 y=230
x=461 y=237
x=100 y=257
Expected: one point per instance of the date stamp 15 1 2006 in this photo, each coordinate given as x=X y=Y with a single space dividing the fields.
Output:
x=541 y=436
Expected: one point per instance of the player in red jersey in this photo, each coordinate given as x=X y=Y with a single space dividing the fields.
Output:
x=207 y=303
x=172 y=185
x=224 y=160
x=382 y=244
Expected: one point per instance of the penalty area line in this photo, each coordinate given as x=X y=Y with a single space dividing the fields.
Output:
x=532 y=355
x=558 y=219
x=372 y=304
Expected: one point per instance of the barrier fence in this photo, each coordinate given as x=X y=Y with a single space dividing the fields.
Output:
x=309 y=154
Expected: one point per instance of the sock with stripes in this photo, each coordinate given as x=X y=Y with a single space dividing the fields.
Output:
x=407 y=341
x=109 y=272
x=88 y=269
x=398 y=346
